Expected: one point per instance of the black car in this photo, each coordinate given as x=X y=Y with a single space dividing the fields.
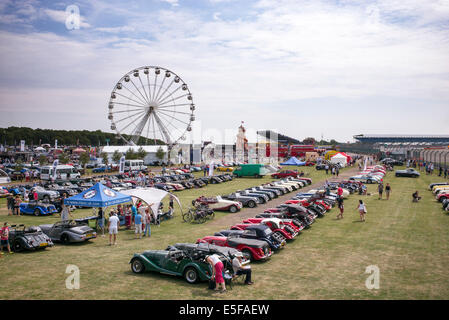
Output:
x=247 y=201
x=201 y=250
x=407 y=173
x=257 y=232
x=30 y=239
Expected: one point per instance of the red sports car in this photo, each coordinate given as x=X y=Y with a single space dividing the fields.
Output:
x=252 y=249
x=284 y=174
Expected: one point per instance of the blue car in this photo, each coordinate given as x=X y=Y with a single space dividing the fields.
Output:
x=37 y=208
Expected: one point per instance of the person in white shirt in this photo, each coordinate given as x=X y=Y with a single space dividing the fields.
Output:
x=362 y=210
x=113 y=225
x=239 y=269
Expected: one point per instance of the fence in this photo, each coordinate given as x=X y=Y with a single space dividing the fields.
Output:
x=439 y=157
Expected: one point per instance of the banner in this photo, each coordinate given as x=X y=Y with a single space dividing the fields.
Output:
x=122 y=165
x=55 y=164
x=56 y=143
x=22 y=145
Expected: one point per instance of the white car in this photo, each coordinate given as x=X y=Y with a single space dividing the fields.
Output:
x=218 y=203
x=366 y=178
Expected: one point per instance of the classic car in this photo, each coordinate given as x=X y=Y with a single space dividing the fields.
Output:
x=365 y=178
x=262 y=198
x=224 y=169
x=68 y=192
x=218 y=203
x=285 y=173
x=275 y=226
x=31 y=238
x=436 y=184
x=439 y=189
x=37 y=208
x=251 y=249
x=68 y=231
x=441 y=196
x=407 y=173
x=201 y=250
x=182 y=263
x=43 y=194
x=392 y=162
x=275 y=192
x=247 y=201
x=258 y=232
x=4 y=192
x=275 y=223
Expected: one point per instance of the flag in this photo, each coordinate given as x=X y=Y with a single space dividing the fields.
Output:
x=122 y=165
x=211 y=169
x=22 y=145
x=55 y=165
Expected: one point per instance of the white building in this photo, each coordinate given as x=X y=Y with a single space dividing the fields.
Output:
x=150 y=150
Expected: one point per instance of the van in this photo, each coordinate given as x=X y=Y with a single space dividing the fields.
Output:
x=251 y=170
x=63 y=172
x=134 y=165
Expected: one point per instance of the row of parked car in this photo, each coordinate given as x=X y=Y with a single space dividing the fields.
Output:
x=257 y=238
x=441 y=192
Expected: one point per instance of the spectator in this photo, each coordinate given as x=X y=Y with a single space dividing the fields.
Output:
x=239 y=269
x=380 y=189
x=217 y=271
x=387 y=191
x=416 y=196
x=17 y=202
x=113 y=225
x=101 y=220
x=65 y=212
x=337 y=171
x=147 y=222
x=362 y=210
x=133 y=214
x=10 y=204
x=326 y=167
x=170 y=203
x=341 y=207
x=4 y=238
x=138 y=225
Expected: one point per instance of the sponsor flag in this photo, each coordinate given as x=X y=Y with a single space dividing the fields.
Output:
x=122 y=165
x=22 y=145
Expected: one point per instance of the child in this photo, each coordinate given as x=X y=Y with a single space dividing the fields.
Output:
x=362 y=210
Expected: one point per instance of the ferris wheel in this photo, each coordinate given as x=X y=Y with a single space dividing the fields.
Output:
x=153 y=103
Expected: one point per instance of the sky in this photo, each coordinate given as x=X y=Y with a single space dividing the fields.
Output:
x=321 y=68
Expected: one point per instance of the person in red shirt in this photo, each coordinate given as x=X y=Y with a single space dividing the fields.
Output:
x=4 y=238
x=340 y=191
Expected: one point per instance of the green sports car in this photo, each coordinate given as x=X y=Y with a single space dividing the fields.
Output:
x=183 y=263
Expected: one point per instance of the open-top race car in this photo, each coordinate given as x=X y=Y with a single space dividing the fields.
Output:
x=220 y=204
x=251 y=249
x=31 y=238
x=258 y=232
x=407 y=173
x=68 y=231
x=247 y=201
x=186 y=262
x=276 y=225
x=37 y=208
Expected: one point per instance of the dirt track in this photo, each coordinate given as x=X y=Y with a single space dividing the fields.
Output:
x=246 y=213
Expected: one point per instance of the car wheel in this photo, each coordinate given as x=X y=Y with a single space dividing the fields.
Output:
x=37 y=212
x=17 y=246
x=369 y=181
x=191 y=275
x=64 y=239
x=397 y=175
x=251 y=204
x=247 y=255
x=233 y=209
x=137 y=266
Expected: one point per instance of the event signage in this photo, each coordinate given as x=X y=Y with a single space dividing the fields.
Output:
x=122 y=165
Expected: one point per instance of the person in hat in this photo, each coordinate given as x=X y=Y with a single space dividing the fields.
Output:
x=240 y=269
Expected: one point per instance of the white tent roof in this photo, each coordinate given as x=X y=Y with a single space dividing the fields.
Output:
x=339 y=156
x=151 y=196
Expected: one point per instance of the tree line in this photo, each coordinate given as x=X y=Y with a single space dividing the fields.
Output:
x=12 y=135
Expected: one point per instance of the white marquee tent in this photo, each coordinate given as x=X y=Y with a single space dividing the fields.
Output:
x=339 y=158
x=150 y=196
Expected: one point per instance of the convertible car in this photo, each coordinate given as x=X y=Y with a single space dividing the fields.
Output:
x=188 y=263
x=251 y=249
x=246 y=201
x=68 y=231
x=407 y=173
x=37 y=208
x=285 y=173
x=30 y=239
x=218 y=203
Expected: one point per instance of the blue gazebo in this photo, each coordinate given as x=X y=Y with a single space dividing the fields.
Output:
x=293 y=161
x=97 y=196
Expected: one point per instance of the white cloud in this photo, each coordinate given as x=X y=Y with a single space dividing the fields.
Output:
x=62 y=16
x=174 y=3
x=286 y=67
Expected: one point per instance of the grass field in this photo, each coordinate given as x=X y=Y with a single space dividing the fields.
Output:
x=407 y=241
